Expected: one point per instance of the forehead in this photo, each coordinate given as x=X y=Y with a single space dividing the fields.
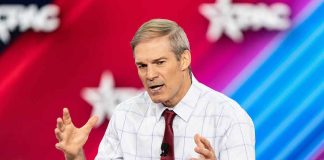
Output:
x=153 y=49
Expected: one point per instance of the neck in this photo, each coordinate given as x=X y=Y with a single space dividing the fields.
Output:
x=183 y=91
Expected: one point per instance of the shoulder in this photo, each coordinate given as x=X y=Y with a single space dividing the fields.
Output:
x=137 y=104
x=219 y=103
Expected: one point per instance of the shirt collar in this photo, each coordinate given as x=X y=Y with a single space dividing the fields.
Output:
x=185 y=107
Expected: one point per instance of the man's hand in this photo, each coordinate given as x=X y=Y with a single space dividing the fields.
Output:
x=71 y=139
x=204 y=149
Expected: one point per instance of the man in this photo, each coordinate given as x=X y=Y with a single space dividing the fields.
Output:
x=176 y=118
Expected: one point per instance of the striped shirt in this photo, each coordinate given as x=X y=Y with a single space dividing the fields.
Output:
x=136 y=129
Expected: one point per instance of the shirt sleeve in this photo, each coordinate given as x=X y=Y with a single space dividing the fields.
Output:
x=239 y=143
x=109 y=147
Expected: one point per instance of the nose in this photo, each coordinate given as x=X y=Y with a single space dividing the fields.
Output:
x=151 y=73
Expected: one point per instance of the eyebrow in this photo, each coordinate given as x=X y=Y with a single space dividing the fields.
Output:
x=153 y=61
x=139 y=63
x=159 y=59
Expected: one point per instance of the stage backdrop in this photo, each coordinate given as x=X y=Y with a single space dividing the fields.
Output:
x=268 y=56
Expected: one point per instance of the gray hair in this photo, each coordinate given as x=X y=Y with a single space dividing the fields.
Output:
x=159 y=28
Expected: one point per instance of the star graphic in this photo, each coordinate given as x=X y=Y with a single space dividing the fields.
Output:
x=233 y=18
x=106 y=97
x=221 y=20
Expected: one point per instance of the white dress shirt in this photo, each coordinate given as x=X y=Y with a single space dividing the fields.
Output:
x=136 y=129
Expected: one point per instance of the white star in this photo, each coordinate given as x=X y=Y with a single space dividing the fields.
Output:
x=106 y=97
x=220 y=20
x=233 y=19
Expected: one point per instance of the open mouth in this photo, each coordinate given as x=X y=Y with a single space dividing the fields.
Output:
x=156 y=88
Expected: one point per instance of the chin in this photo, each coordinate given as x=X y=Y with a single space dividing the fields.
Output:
x=156 y=99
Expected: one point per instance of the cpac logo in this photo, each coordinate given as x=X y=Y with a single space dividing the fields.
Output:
x=232 y=19
x=22 y=17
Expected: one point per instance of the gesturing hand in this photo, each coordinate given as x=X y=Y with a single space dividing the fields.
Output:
x=71 y=139
x=204 y=149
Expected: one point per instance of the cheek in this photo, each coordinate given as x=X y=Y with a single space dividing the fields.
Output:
x=142 y=78
x=173 y=81
x=172 y=76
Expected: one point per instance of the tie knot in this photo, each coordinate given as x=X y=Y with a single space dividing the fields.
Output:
x=168 y=116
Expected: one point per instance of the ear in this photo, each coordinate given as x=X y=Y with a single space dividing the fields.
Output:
x=185 y=60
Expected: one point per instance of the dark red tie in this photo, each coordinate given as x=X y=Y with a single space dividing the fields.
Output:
x=167 y=147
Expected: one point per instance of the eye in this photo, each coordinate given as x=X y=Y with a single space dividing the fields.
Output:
x=160 y=62
x=140 y=66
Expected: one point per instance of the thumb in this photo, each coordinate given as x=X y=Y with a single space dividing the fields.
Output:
x=91 y=123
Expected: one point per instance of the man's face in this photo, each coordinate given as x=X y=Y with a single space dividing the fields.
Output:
x=162 y=75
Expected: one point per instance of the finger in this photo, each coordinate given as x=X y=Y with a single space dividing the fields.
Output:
x=58 y=134
x=60 y=124
x=59 y=146
x=206 y=143
x=90 y=124
x=66 y=116
x=205 y=153
x=198 y=141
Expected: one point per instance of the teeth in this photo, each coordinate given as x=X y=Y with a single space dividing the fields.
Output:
x=156 y=89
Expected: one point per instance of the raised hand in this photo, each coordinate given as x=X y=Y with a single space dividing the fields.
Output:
x=71 y=139
x=204 y=149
